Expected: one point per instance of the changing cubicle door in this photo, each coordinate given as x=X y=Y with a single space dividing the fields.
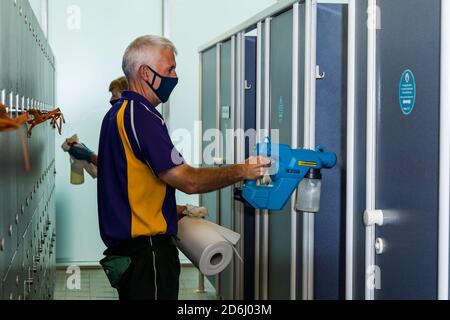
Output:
x=279 y=259
x=227 y=155
x=407 y=148
x=250 y=123
x=331 y=122
x=209 y=121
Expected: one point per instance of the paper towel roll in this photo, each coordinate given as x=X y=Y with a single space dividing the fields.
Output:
x=208 y=246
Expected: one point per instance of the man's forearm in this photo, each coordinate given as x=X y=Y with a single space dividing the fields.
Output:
x=211 y=179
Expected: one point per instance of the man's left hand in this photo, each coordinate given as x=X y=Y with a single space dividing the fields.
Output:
x=81 y=152
x=196 y=212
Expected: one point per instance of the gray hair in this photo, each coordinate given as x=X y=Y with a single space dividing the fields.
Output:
x=138 y=52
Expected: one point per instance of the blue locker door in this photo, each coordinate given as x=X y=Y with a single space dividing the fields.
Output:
x=331 y=119
x=408 y=148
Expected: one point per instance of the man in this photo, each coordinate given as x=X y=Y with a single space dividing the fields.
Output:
x=81 y=152
x=139 y=170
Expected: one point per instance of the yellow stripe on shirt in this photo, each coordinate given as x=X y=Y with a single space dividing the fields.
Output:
x=146 y=192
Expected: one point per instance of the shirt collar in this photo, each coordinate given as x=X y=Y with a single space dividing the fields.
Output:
x=131 y=95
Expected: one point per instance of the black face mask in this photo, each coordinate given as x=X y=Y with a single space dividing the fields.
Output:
x=165 y=88
x=113 y=102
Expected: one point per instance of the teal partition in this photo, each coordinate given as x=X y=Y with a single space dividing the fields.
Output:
x=281 y=119
x=225 y=195
x=209 y=121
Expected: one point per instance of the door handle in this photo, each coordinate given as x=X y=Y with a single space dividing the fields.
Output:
x=373 y=217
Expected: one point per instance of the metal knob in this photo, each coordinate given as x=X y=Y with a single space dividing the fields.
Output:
x=379 y=246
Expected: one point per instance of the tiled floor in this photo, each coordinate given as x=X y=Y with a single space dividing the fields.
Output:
x=95 y=286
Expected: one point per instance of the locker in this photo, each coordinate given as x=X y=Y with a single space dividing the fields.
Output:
x=23 y=56
x=8 y=142
x=27 y=264
x=5 y=252
x=11 y=282
x=331 y=121
x=19 y=271
x=19 y=10
x=26 y=200
x=3 y=54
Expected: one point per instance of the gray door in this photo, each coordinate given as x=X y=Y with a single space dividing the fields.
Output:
x=281 y=115
x=331 y=119
x=209 y=117
x=226 y=200
x=408 y=148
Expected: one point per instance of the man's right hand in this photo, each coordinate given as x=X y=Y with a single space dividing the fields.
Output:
x=256 y=167
x=194 y=181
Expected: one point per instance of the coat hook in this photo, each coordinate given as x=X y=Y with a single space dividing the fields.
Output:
x=319 y=75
